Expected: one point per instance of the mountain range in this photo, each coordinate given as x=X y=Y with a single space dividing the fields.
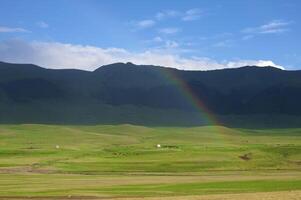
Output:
x=150 y=95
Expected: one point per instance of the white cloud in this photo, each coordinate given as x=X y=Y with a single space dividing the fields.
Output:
x=170 y=30
x=61 y=55
x=145 y=23
x=259 y=63
x=188 y=15
x=167 y=14
x=160 y=15
x=157 y=39
x=42 y=24
x=279 y=30
x=165 y=45
x=154 y=40
x=171 y=44
x=192 y=14
x=4 y=29
x=275 y=26
x=225 y=43
x=247 y=37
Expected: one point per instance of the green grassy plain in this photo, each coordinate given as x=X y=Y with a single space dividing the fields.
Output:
x=123 y=161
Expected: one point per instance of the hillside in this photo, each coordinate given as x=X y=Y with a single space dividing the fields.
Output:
x=152 y=95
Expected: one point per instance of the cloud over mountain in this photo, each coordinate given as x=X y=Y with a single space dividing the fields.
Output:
x=62 y=55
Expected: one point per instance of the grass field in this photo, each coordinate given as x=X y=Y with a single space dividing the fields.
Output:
x=88 y=162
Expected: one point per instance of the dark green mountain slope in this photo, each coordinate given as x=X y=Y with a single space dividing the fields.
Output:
x=151 y=95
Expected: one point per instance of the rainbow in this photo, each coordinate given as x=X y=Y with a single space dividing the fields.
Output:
x=204 y=113
x=186 y=91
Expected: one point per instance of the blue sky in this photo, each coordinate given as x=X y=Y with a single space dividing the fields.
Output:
x=191 y=35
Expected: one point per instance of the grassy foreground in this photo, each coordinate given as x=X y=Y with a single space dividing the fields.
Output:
x=124 y=161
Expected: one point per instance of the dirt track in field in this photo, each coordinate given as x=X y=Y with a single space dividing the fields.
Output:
x=285 y=195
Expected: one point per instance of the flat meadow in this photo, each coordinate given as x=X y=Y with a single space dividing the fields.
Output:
x=126 y=162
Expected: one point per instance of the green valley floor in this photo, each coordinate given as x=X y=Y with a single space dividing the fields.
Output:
x=134 y=162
